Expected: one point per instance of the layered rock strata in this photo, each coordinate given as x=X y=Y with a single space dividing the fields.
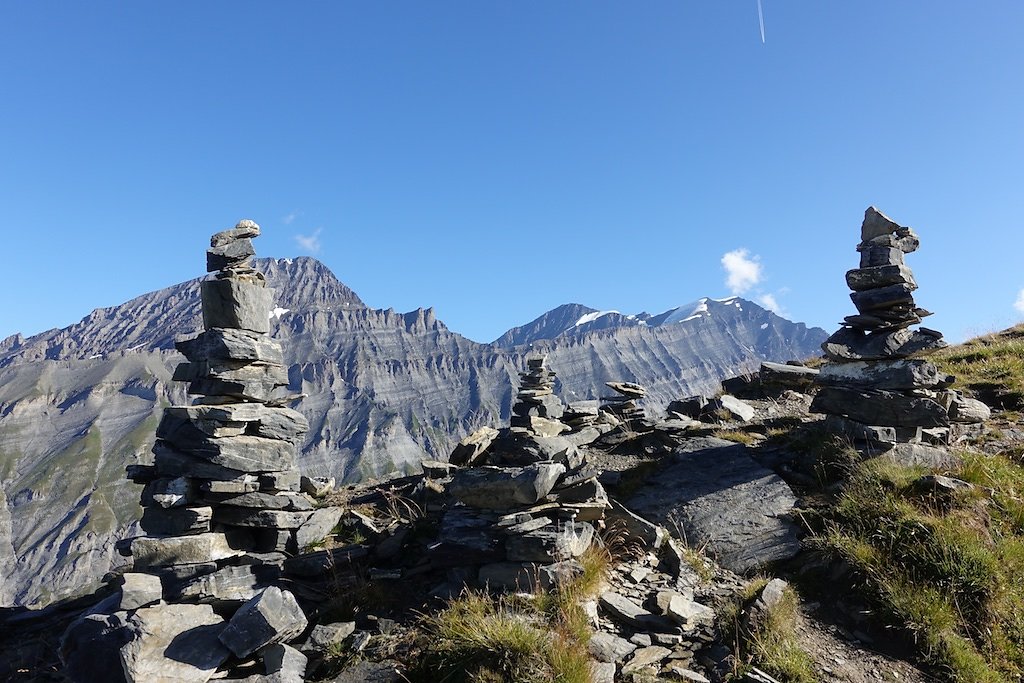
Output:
x=876 y=387
x=624 y=406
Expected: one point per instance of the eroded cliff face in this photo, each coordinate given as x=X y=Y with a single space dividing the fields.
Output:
x=384 y=390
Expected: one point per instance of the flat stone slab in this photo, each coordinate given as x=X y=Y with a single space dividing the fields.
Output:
x=716 y=495
x=173 y=643
x=271 y=617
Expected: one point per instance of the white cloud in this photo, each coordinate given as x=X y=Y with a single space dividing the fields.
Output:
x=290 y=218
x=1019 y=303
x=309 y=243
x=742 y=270
x=770 y=302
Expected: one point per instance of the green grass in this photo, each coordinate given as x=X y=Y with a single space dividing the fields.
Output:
x=736 y=435
x=536 y=638
x=768 y=641
x=990 y=366
x=945 y=568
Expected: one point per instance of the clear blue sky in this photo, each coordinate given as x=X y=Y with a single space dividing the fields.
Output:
x=496 y=159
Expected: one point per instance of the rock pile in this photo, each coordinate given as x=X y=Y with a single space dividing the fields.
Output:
x=221 y=503
x=537 y=409
x=875 y=387
x=623 y=406
x=522 y=519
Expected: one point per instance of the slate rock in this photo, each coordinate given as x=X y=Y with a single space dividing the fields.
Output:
x=721 y=498
x=740 y=410
x=470 y=449
x=861 y=279
x=233 y=253
x=636 y=527
x=850 y=344
x=231 y=344
x=173 y=643
x=282 y=664
x=139 y=590
x=913 y=455
x=243 y=229
x=369 y=672
x=287 y=500
x=318 y=487
x=176 y=521
x=499 y=488
x=900 y=374
x=550 y=544
x=246 y=453
x=968 y=410
x=602 y=672
x=607 y=647
x=271 y=617
x=870 y=300
x=625 y=611
x=885 y=408
x=318 y=526
x=90 y=648
x=784 y=375
x=168 y=492
x=232 y=303
x=197 y=549
x=229 y=584
x=645 y=657
x=876 y=224
x=248 y=517
x=324 y=636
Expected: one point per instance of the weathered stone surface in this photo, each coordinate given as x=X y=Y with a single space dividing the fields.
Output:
x=968 y=410
x=719 y=497
x=872 y=256
x=197 y=549
x=873 y=300
x=602 y=672
x=169 y=492
x=231 y=303
x=740 y=410
x=784 y=375
x=172 y=643
x=856 y=431
x=369 y=672
x=91 y=648
x=519 y=576
x=249 y=517
x=139 y=590
x=247 y=453
x=282 y=664
x=325 y=636
x=884 y=408
x=541 y=426
x=231 y=344
x=498 y=488
x=627 y=389
x=625 y=611
x=912 y=455
x=184 y=426
x=688 y=613
x=550 y=544
x=176 y=521
x=273 y=616
x=644 y=657
x=691 y=407
x=243 y=229
x=233 y=253
x=900 y=374
x=172 y=463
x=877 y=224
x=283 y=481
x=636 y=527
x=861 y=279
x=317 y=527
x=470 y=449
x=284 y=500
x=318 y=487
x=850 y=344
x=239 y=390
x=607 y=647
x=230 y=584
x=234 y=371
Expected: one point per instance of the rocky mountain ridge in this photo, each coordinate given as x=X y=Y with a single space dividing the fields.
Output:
x=384 y=391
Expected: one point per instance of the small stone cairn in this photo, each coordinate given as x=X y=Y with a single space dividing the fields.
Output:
x=623 y=406
x=522 y=520
x=537 y=409
x=875 y=387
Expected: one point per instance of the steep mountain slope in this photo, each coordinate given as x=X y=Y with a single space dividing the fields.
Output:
x=384 y=390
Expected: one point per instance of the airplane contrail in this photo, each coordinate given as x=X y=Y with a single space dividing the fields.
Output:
x=760 y=19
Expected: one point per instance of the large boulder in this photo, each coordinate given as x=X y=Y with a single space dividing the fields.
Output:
x=504 y=487
x=273 y=616
x=173 y=643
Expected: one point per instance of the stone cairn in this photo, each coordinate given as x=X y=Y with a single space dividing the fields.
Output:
x=221 y=501
x=623 y=406
x=522 y=520
x=875 y=387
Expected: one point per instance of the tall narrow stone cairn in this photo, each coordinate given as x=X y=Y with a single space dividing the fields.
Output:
x=537 y=409
x=623 y=406
x=224 y=480
x=876 y=387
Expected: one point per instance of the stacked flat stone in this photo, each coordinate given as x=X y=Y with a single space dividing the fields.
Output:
x=537 y=409
x=875 y=386
x=224 y=480
x=624 y=406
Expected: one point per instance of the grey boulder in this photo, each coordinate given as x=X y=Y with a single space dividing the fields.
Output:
x=504 y=487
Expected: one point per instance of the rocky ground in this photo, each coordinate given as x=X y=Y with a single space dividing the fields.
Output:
x=732 y=492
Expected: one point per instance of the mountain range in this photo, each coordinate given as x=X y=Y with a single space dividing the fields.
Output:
x=383 y=391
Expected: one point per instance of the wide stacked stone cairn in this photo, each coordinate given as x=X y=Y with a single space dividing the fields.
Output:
x=523 y=519
x=876 y=387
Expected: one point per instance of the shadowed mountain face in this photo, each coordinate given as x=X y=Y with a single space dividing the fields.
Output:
x=384 y=390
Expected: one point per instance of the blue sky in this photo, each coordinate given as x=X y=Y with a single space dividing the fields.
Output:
x=496 y=159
